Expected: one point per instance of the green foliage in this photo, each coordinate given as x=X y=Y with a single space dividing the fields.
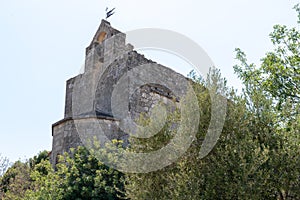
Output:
x=88 y=178
x=180 y=180
x=80 y=176
x=278 y=75
x=46 y=183
x=15 y=181
x=258 y=153
x=272 y=95
x=44 y=155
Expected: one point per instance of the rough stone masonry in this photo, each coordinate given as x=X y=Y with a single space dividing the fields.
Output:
x=89 y=96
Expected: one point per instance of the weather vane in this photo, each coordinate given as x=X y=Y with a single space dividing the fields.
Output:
x=109 y=13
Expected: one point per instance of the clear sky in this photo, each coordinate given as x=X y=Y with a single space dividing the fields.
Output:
x=43 y=44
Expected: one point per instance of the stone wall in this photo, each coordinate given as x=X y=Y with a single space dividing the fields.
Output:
x=89 y=95
x=65 y=136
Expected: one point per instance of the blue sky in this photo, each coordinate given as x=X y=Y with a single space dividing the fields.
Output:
x=43 y=44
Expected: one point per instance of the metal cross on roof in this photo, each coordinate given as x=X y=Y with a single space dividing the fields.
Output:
x=109 y=13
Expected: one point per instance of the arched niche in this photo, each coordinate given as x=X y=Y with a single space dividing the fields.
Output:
x=101 y=36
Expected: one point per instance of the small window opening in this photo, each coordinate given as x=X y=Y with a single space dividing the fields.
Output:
x=101 y=37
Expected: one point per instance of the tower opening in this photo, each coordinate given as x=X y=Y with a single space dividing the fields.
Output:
x=101 y=36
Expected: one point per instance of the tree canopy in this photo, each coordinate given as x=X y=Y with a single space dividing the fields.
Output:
x=256 y=157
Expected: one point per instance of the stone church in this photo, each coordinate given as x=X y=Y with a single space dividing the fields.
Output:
x=101 y=93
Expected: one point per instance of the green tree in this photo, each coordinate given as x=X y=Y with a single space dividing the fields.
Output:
x=88 y=178
x=15 y=181
x=257 y=154
x=272 y=95
x=183 y=179
x=278 y=75
x=46 y=183
x=80 y=176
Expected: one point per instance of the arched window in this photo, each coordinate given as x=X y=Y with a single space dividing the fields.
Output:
x=101 y=37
